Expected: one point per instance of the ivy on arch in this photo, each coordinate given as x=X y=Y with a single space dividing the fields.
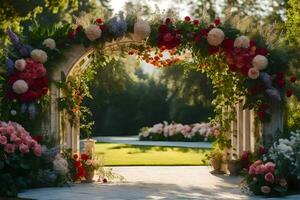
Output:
x=237 y=65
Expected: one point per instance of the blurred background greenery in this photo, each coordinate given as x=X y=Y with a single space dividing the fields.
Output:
x=127 y=96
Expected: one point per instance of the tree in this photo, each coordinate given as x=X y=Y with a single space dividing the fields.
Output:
x=293 y=22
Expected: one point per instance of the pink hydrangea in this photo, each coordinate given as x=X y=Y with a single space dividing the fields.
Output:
x=3 y=140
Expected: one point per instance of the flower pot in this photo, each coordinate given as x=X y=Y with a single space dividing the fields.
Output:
x=216 y=164
x=90 y=176
x=234 y=167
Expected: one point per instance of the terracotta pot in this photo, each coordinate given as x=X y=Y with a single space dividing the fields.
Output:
x=90 y=176
x=216 y=164
x=234 y=167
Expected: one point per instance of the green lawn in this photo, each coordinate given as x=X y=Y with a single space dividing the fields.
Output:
x=126 y=155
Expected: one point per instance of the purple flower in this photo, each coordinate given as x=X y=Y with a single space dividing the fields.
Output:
x=13 y=38
x=274 y=93
x=9 y=66
x=266 y=78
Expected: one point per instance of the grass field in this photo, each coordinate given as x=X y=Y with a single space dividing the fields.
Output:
x=128 y=155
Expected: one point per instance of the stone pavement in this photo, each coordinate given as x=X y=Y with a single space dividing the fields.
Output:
x=134 y=140
x=157 y=183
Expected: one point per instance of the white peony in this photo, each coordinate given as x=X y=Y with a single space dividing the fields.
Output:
x=242 y=42
x=253 y=73
x=13 y=112
x=260 y=62
x=39 y=55
x=50 y=43
x=20 y=87
x=20 y=64
x=215 y=37
x=93 y=32
x=141 y=29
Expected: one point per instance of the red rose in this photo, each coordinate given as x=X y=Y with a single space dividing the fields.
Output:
x=262 y=150
x=168 y=39
x=78 y=164
x=38 y=138
x=289 y=93
x=13 y=78
x=102 y=27
x=71 y=35
x=261 y=115
x=204 y=32
x=244 y=71
x=233 y=67
x=280 y=82
x=99 y=20
x=217 y=22
x=187 y=19
x=78 y=29
x=228 y=45
x=196 y=22
x=197 y=37
x=84 y=156
x=163 y=28
x=29 y=96
x=293 y=79
x=11 y=95
x=213 y=50
x=280 y=75
x=81 y=172
x=262 y=51
x=244 y=156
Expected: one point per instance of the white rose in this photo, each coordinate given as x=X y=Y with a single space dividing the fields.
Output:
x=260 y=62
x=20 y=87
x=141 y=29
x=20 y=64
x=242 y=42
x=39 y=55
x=13 y=112
x=93 y=32
x=253 y=73
x=215 y=37
x=50 y=43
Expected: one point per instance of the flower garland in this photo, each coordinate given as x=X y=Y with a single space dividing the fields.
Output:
x=28 y=83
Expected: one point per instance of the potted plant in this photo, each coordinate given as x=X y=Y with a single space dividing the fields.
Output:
x=234 y=166
x=215 y=157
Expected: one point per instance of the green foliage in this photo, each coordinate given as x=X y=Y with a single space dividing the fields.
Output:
x=293 y=22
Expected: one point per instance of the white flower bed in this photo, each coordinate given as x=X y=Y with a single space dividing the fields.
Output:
x=179 y=132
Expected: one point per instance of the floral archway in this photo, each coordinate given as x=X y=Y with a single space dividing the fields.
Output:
x=239 y=66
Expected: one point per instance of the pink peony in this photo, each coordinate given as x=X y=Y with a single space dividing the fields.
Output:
x=13 y=137
x=24 y=148
x=269 y=177
x=270 y=167
x=252 y=170
x=9 y=148
x=3 y=140
x=37 y=150
x=260 y=169
x=265 y=189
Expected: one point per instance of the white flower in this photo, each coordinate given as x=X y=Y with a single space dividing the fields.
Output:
x=157 y=128
x=39 y=55
x=20 y=87
x=242 y=42
x=50 y=43
x=260 y=62
x=215 y=37
x=93 y=32
x=13 y=112
x=253 y=73
x=141 y=29
x=20 y=64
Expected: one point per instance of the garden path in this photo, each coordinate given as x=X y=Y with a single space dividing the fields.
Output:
x=157 y=183
x=134 y=140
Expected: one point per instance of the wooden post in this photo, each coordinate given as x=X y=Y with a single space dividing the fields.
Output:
x=252 y=131
x=246 y=130
x=240 y=119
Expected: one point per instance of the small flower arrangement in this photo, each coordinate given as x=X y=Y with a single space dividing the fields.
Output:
x=180 y=132
x=266 y=179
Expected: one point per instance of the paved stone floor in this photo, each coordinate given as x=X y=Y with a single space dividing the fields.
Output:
x=159 y=183
x=134 y=140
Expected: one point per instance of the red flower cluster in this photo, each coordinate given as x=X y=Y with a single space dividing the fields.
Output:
x=168 y=36
x=35 y=76
x=79 y=166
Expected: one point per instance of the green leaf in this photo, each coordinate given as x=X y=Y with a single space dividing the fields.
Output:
x=280 y=189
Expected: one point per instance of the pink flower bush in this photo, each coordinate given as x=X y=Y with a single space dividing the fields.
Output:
x=13 y=137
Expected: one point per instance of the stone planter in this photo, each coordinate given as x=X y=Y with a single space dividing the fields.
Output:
x=234 y=167
x=89 y=146
x=90 y=176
